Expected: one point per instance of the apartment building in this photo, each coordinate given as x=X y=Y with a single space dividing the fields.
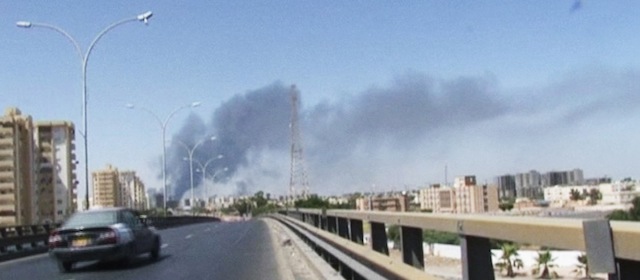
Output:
x=616 y=193
x=16 y=168
x=528 y=185
x=437 y=198
x=397 y=203
x=506 y=187
x=56 y=185
x=132 y=193
x=465 y=196
x=106 y=187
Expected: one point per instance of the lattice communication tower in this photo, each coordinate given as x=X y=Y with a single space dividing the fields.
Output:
x=298 y=181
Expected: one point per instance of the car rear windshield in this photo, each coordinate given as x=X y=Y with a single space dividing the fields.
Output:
x=97 y=218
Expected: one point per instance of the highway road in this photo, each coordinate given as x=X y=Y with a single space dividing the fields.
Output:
x=232 y=250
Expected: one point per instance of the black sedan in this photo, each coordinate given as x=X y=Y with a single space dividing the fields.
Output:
x=108 y=234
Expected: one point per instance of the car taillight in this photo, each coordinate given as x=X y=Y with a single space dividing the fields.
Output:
x=108 y=237
x=54 y=239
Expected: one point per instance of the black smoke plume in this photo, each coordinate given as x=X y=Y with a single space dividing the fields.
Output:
x=405 y=132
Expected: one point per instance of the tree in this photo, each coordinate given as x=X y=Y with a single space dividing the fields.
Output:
x=242 y=207
x=440 y=237
x=634 y=212
x=393 y=234
x=259 y=199
x=594 y=196
x=632 y=215
x=505 y=206
x=313 y=201
x=575 y=195
x=509 y=259
x=582 y=268
x=619 y=215
x=544 y=263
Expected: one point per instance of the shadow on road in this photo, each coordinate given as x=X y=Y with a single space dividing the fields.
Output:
x=138 y=262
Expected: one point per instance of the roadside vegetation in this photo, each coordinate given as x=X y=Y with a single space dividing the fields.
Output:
x=632 y=215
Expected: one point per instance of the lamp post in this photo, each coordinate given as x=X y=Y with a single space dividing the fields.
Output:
x=190 y=152
x=84 y=58
x=163 y=127
x=203 y=169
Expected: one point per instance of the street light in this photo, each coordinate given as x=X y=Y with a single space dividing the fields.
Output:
x=203 y=169
x=190 y=151
x=163 y=127
x=84 y=58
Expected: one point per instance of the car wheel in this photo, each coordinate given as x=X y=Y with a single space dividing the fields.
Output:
x=155 y=251
x=65 y=266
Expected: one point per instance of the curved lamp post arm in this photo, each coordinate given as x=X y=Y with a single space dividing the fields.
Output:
x=27 y=24
x=112 y=26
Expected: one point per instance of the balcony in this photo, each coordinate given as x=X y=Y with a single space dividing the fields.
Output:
x=6 y=153
x=6 y=174
x=7 y=199
x=8 y=186
x=7 y=207
x=6 y=164
x=6 y=141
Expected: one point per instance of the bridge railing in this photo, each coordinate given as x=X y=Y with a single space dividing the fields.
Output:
x=611 y=247
x=21 y=241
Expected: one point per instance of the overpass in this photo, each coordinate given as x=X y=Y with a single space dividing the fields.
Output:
x=245 y=250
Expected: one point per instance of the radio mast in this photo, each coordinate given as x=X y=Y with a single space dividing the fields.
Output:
x=298 y=181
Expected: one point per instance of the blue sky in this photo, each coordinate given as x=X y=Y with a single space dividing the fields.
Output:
x=564 y=82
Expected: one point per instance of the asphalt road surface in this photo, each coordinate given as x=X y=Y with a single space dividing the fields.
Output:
x=233 y=250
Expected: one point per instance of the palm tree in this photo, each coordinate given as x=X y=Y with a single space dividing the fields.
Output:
x=583 y=267
x=509 y=259
x=544 y=263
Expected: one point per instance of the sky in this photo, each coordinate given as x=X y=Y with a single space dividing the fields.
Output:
x=392 y=94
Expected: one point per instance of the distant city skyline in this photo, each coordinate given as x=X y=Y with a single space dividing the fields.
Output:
x=391 y=94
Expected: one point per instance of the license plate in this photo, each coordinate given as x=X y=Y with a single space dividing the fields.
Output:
x=80 y=242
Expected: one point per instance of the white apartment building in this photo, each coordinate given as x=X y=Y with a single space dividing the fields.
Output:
x=55 y=191
x=612 y=193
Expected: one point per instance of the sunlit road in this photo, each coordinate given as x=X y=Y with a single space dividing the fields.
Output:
x=240 y=250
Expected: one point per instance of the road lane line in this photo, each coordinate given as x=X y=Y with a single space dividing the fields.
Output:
x=188 y=236
x=165 y=245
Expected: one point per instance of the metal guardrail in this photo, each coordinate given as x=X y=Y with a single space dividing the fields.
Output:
x=351 y=260
x=611 y=247
x=22 y=241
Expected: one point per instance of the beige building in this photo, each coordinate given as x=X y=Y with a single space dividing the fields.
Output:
x=398 y=203
x=106 y=188
x=16 y=168
x=56 y=184
x=464 y=197
x=438 y=199
x=133 y=194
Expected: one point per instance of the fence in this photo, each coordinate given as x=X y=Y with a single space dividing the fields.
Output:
x=611 y=247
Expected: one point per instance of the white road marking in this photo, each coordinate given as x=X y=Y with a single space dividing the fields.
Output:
x=188 y=236
x=164 y=245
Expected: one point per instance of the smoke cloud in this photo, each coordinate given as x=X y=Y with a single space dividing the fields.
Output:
x=404 y=133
